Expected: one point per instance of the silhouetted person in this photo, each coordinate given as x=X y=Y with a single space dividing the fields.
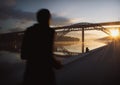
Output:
x=87 y=49
x=37 y=49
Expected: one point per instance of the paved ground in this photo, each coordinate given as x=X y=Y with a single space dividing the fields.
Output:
x=98 y=68
x=11 y=69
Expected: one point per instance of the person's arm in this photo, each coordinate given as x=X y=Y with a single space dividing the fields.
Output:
x=57 y=64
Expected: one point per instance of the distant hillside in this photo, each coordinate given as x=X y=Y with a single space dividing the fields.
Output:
x=105 y=39
x=66 y=38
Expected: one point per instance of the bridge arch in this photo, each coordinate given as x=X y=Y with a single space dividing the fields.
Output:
x=61 y=31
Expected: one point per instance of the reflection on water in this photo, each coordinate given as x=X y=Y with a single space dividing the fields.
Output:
x=91 y=41
x=76 y=47
x=63 y=50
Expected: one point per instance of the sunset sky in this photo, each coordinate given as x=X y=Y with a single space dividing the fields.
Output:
x=16 y=15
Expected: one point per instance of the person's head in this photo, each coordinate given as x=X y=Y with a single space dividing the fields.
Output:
x=43 y=16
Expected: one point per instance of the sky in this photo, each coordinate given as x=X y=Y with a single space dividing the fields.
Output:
x=17 y=15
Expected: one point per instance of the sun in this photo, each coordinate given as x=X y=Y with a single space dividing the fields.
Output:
x=114 y=32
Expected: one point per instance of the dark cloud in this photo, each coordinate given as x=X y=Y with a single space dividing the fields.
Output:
x=19 y=14
x=11 y=13
x=15 y=29
x=7 y=11
x=7 y=3
x=59 y=20
x=11 y=30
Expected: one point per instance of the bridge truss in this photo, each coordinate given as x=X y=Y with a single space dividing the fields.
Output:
x=61 y=31
x=12 y=40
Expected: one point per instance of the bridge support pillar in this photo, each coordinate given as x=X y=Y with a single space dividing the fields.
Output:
x=82 y=40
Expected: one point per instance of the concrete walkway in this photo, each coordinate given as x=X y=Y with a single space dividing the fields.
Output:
x=99 y=68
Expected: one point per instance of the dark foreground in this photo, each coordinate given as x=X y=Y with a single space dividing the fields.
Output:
x=98 y=68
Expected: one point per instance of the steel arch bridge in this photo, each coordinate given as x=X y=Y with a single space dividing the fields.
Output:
x=61 y=31
x=13 y=40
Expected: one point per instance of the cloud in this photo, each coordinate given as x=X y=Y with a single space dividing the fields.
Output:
x=60 y=20
x=7 y=3
x=15 y=29
x=8 y=11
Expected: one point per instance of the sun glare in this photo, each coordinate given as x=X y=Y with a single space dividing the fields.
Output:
x=114 y=32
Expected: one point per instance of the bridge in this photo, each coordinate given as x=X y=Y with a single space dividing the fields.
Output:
x=13 y=40
x=86 y=26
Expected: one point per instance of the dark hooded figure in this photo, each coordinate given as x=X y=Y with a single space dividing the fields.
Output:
x=37 y=49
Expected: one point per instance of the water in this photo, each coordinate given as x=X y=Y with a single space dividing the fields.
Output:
x=91 y=41
x=72 y=48
x=76 y=47
x=91 y=45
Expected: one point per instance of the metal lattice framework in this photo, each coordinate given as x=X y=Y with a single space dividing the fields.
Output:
x=61 y=31
x=12 y=41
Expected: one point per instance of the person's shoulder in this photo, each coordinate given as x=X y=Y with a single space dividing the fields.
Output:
x=31 y=28
x=52 y=29
x=28 y=30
